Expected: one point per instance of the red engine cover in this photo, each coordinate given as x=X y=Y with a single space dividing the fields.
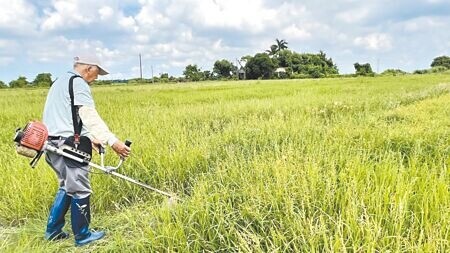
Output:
x=35 y=135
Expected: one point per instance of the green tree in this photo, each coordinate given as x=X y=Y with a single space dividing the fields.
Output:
x=207 y=75
x=309 y=65
x=441 y=61
x=43 y=79
x=281 y=44
x=363 y=69
x=19 y=83
x=438 y=69
x=328 y=67
x=273 y=50
x=224 y=68
x=164 y=78
x=260 y=66
x=285 y=58
x=3 y=85
x=101 y=82
x=393 y=72
x=193 y=73
x=245 y=59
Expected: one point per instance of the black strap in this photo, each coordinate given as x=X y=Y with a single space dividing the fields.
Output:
x=76 y=125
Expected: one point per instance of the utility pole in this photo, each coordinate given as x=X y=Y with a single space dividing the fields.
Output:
x=153 y=79
x=140 y=65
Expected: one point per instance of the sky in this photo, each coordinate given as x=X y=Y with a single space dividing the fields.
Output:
x=43 y=36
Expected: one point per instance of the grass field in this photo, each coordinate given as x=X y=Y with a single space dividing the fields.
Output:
x=336 y=165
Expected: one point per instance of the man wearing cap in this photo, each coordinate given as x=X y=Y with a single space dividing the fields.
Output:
x=74 y=185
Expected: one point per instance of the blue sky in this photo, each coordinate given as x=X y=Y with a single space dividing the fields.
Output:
x=44 y=35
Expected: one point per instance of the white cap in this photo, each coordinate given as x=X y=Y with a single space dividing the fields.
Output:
x=91 y=60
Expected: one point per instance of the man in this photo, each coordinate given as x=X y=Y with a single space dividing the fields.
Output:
x=74 y=186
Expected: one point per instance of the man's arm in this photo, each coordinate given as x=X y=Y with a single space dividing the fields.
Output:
x=99 y=130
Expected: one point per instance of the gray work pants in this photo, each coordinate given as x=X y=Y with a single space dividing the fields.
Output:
x=75 y=181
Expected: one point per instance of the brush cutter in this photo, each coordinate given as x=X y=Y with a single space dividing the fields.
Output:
x=32 y=142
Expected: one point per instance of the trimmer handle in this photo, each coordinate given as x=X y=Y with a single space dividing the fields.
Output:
x=101 y=149
x=128 y=144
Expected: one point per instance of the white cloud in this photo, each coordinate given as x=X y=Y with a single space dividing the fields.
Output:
x=5 y=60
x=295 y=32
x=181 y=63
x=142 y=38
x=424 y=24
x=128 y=23
x=149 y=16
x=171 y=34
x=67 y=14
x=7 y=45
x=73 y=14
x=250 y=16
x=374 y=41
x=18 y=17
x=355 y=15
x=163 y=49
x=106 y=12
x=186 y=36
x=44 y=50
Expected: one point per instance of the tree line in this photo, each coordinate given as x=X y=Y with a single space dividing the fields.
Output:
x=277 y=62
x=41 y=80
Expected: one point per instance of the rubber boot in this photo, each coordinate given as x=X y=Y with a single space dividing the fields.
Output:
x=81 y=217
x=56 y=220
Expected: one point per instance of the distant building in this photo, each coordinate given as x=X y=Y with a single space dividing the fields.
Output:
x=281 y=72
x=241 y=74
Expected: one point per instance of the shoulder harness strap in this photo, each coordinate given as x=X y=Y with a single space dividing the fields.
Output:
x=77 y=125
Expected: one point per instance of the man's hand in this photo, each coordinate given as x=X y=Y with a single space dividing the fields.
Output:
x=121 y=149
x=95 y=144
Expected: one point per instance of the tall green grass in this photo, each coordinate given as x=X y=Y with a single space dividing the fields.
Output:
x=334 y=165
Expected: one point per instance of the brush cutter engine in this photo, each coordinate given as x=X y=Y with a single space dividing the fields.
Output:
x=30 y=141
x=33 y=136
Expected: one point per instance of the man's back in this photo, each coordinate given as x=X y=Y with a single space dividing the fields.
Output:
x=57 y=111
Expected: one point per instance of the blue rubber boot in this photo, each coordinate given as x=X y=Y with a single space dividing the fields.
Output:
x=81 y=217
x=56 y=220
